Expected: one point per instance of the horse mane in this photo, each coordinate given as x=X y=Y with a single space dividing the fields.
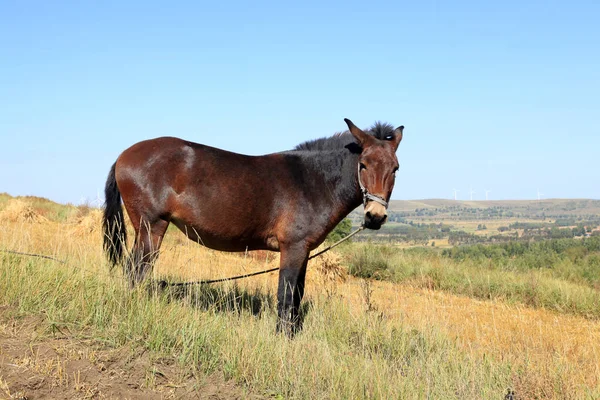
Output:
x=380 y=130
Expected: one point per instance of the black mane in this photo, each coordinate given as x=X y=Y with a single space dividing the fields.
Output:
x=380 y=130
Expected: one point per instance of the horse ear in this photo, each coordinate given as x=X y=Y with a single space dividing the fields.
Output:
x=398 y=136
x=362 y=137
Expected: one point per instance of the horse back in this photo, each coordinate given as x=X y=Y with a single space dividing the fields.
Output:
x=225 y=200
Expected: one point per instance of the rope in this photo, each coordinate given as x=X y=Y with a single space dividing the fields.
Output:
x=164 y=283
x=64 y=262
x=33 y=255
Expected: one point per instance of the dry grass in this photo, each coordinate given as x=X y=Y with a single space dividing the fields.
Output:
x=89 y=223
x=18 y=210
x=544 y=344
x=549 y=354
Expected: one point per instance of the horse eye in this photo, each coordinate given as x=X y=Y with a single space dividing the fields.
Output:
x=395 y=170
x=362 y=166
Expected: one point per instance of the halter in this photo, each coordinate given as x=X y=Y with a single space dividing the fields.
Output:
x=368 y=196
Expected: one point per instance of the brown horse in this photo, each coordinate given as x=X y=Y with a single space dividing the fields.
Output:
x=286 y=202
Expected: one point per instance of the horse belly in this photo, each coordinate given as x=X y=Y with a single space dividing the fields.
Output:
x=219 y=237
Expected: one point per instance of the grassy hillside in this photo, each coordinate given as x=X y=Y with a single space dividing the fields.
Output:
x=420 y=324
x=19 y=207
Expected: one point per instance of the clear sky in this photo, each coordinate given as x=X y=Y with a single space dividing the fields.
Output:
x=501 y=95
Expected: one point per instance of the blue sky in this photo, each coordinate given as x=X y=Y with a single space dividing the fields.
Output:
x=494 y=95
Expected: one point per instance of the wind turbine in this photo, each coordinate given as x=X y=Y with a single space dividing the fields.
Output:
x=99 y=200
x=472 y=192
x=455 y=191
x=486 y=194
x=539 y=194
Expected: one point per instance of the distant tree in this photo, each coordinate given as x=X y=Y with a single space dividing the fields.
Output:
x=579 y=230
x=557 y=233
x=342 y=230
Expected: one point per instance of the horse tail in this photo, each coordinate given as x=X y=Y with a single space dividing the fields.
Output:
x=113 y=222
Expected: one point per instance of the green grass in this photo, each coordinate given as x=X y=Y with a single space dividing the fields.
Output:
x=338 y=355
x=574 y=260
x=569 y=286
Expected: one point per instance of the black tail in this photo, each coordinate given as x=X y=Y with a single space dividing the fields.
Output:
x=113 y=223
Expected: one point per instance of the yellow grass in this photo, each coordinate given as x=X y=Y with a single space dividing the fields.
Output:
x=532 y=338
x=20 y=211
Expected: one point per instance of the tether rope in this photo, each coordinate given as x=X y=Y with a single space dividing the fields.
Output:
x=164 y=283
x=233 y=278
x=19 y=253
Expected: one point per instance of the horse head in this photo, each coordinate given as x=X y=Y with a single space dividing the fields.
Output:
x=377 y=167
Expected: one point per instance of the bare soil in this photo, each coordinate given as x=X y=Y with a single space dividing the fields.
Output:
x=37 y=363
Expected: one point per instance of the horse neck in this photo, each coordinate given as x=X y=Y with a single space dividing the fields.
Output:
x=338 y=170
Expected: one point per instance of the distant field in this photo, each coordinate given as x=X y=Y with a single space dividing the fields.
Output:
x=382 y=321
x=442 y=222
x=551 y=206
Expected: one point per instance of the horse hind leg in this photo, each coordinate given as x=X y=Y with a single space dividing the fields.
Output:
x=148 y=239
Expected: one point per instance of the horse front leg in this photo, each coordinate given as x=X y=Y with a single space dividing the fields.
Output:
x=292 y=272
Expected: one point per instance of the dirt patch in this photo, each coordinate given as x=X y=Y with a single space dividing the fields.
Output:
x=36 y=363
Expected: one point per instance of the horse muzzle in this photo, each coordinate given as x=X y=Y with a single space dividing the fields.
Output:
x=375 y=215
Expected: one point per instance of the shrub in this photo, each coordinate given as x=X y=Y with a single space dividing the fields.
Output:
x=370 y=261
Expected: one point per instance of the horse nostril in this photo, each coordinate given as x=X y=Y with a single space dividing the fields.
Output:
x=368 y=215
